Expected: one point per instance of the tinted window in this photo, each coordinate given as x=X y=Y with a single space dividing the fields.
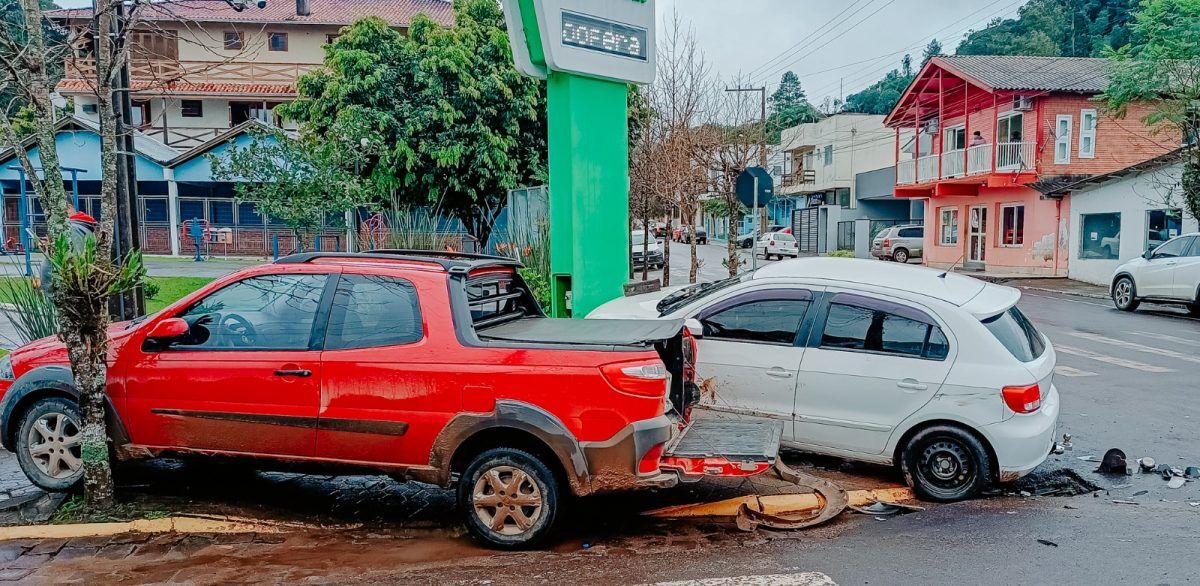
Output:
x=772 y=321
x=910 y=233
x=267 y=312
x=370 y=310
x=1016 y=333
x=1172 y=248
x=870 y=327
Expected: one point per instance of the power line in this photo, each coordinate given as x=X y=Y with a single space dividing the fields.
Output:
x=777 y=70
x=803 y=41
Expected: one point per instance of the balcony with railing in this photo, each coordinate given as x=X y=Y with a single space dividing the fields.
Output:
x=164 y=71
x=1008 y=157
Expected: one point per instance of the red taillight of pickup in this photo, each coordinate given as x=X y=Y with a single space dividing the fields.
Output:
x=1023 y=399
x=643 y=378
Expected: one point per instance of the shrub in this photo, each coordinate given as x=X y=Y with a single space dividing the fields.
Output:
x=28 y=309
x=843 y=253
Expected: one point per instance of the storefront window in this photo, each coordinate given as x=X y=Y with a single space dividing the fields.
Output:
x=1161 y=226
x=1100 y=235
x=1012 y=225
x=948 y=226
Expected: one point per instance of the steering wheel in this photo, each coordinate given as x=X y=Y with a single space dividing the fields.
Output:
x=237 y=330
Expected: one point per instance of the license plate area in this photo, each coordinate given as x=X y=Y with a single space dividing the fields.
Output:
x=725 y=448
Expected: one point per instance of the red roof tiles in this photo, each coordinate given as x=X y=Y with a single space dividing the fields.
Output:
x=182 y=87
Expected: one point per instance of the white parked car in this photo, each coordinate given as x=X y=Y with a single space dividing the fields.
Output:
x=645 y=251
x=777 y=244
x=1169 y=273
x=936 y=372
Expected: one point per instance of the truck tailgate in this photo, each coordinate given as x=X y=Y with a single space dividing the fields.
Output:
x=724 y=447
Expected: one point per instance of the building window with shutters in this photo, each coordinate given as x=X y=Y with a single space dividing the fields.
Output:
x=1062 y=139
x=1087 y=134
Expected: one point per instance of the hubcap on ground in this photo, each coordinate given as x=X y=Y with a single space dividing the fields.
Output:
x=507 y=500
x=1124 y=293
x=55 y=445
x=947 y=463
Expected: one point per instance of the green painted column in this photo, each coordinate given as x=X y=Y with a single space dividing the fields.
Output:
x=588 y=148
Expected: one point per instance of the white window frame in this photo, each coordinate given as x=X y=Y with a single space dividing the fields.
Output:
x=941 y=216
x=1004 y=243
x=1064 y=139
x=828 y=155
x=1085 y=132
x=954 y=130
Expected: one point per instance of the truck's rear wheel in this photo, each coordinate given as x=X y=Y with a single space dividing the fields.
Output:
x=50 y=444
x=509 y=498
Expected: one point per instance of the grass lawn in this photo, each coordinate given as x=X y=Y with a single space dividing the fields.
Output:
x=170 y=290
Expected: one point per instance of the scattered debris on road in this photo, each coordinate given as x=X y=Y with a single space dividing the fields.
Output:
x=1114 y=462
x=1047 y=542
x=1124 y=502
x=1176 y=482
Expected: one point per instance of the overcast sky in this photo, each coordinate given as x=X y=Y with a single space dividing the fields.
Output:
x=852 y=42
x=764 y=38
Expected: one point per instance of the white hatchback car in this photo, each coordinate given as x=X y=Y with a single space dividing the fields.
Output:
x=1169 y=273
x=936 y=372
x=777 y=244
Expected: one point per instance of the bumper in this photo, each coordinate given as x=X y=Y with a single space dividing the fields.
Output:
x=613 y=464
x=1023 y=442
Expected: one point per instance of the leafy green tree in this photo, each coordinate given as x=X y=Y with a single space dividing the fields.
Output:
x=881 y=96
x=297 y=181
x=933 y=49
x=452 y=122
x=788 y=106
x=1161 y=67
x=1053 y=28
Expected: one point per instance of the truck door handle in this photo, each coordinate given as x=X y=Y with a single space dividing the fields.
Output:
x=777 y=372
x=912 y=384
x=298 y=372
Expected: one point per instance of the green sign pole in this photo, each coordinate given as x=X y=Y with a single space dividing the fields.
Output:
x=589 y=191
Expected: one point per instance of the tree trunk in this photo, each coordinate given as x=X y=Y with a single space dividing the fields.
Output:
x=646 y=236
x=666 y=278
x=735 y=217
x=694 y=269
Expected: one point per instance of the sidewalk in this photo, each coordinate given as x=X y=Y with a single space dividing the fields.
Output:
x=1059 y=285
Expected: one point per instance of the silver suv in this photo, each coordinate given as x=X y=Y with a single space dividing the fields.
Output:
x=899 y=243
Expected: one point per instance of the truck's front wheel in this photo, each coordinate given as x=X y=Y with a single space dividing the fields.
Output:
x=509 y=498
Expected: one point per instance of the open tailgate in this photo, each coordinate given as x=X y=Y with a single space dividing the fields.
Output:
x=723 y=447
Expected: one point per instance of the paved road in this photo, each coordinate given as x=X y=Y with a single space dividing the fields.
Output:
x=1126 y=380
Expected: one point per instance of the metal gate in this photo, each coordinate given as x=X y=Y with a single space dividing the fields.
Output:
x=804 y=228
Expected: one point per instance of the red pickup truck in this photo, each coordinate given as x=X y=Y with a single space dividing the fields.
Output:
x=439 y=368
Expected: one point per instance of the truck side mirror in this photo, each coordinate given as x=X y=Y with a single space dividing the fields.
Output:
x=168 y=329
x=694 y=327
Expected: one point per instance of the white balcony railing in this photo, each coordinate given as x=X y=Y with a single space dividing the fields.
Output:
x=1015 y=156
x=906 y=171
x=952 y=163
x=979 y=159
x=927 y=168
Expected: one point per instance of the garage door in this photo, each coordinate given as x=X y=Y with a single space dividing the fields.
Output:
x=804 y=228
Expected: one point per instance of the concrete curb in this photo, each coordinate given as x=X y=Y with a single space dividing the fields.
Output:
x=165 y=525
x=1065 y=292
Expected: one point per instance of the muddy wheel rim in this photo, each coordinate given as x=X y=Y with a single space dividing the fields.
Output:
x=947 y=465
x=507 y=500
x=55 y=445
x=1124 y=293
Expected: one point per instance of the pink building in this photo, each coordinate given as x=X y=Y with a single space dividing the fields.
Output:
x=989 y=141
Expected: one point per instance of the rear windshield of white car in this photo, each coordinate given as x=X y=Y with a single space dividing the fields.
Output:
x=784 y=237
x=1016 y=333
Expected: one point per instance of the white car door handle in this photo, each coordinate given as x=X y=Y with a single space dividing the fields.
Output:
x=778 y=372
x=912 y=384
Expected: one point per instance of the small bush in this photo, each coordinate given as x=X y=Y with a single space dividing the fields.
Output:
x=29 y=310
x=843 y=253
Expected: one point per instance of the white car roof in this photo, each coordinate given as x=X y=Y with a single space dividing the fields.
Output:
x=980 y=298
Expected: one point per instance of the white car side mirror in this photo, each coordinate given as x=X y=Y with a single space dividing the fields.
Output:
x=694 y=327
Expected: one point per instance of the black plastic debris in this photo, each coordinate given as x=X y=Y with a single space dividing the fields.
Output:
x=1191 y=472
x=1113 y=462
x=1140 y=493
x=1047 y=542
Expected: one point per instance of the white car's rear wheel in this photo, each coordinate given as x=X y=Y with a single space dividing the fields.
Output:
x=944 y=463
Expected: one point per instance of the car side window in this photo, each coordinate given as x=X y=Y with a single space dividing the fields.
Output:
x=1174 y=248
x=267 y=312
x=760 y=317
x=370 y=311
x=866 y=324
x=910 y=233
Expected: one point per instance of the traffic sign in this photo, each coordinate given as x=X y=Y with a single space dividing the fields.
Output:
x=745 y=187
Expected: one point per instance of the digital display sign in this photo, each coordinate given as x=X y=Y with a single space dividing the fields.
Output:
x=604 y=36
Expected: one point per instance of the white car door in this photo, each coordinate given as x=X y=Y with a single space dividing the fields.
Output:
x=749 y=355
x=1186 y=279
x=1157 y=277
x=871 y=362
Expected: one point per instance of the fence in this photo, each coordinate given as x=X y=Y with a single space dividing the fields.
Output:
x=845 y=235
